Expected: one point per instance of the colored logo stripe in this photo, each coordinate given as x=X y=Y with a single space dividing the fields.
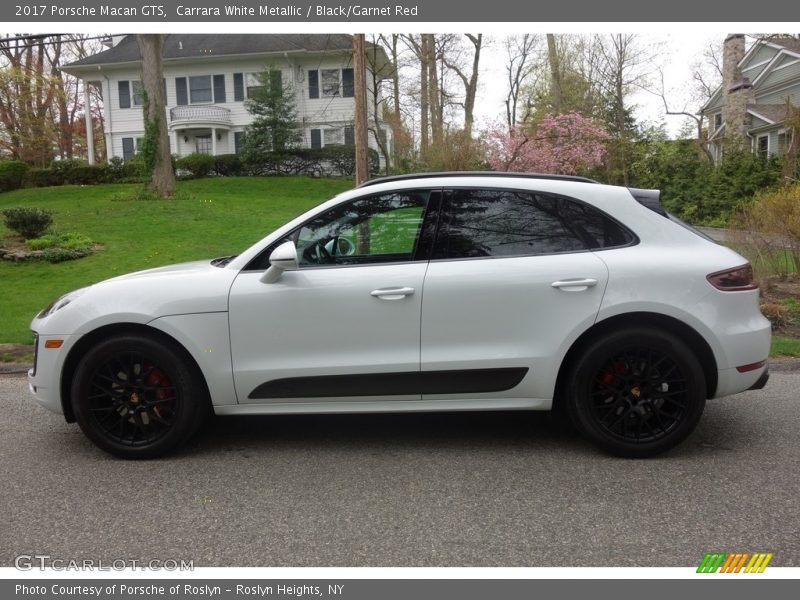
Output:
x=734 y=562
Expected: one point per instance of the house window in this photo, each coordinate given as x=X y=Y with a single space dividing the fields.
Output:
x=762 y=145
x=125 y=88
x=328 y=83
x=350 y=136
x=203 y=144
x=717 y=121
x=334 y=137
x=200 y=89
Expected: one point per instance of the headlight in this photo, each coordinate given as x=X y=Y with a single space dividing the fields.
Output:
x=60 y=303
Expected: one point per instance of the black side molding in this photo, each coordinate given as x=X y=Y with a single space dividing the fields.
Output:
x=471 y=381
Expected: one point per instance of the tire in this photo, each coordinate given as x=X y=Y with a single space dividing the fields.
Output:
x=138 y=397
x=636 y=392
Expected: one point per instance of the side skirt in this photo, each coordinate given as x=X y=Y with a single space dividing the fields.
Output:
x=314 y=406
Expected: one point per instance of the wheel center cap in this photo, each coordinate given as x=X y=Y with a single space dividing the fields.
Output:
x=636 y=392
x=134 y=398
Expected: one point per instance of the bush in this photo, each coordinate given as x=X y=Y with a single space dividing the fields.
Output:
x=71 y=241
x=42 y=178
x=316 y=162
x=28 y=222
x=197 y=163
x=57 y=255
x=768 y=229
x=227 y=165
x=12 y=174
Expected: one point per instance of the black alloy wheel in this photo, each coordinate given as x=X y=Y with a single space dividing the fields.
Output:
x=636 y=392
x=137 y=397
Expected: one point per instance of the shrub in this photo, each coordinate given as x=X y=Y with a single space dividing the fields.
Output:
x=768 y=229
x=57 y=255
x=42 y=178
x=12 y=174
x=28 y=222
x=227 y=165
x=331 y=160
x=71 y=240
x=197 y=163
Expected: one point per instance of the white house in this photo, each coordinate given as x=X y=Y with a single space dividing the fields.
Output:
x=207 y=78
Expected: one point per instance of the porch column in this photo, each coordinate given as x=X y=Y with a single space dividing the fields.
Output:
x=176 y=147
x=88 y=117
x=213 y=141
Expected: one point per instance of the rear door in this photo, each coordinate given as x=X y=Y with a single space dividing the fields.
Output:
x=512 y=281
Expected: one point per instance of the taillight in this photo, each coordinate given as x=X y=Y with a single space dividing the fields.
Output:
x=733 y=280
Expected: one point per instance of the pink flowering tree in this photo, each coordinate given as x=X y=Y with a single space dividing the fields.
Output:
x=562 y=144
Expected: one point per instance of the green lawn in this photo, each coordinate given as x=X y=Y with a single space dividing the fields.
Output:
x=210 y=217
x=783 y=346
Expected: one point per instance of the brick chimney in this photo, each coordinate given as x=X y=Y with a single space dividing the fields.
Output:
x=737 y=92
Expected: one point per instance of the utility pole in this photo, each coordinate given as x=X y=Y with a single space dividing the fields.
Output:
x=360 y=97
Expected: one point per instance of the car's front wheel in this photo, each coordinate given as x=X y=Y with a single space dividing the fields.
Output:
x=137 y=397
x=636 y=392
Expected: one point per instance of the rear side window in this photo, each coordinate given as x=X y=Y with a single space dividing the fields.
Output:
x=496 y=223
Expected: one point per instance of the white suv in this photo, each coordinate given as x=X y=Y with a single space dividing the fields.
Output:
x=434 y=292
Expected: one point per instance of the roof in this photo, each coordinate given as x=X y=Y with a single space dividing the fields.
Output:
x=181 y=45
x=774 y=113
x=790 y=43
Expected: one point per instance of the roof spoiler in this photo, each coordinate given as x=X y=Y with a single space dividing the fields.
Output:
x=650 y=199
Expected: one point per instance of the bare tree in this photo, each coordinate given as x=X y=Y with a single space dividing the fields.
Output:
x=469 y=79
x=520 y=52
x=156 y=152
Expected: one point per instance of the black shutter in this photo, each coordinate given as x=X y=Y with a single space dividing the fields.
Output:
x=124 y=94
x=349 y=136
x=181 y=92
x=276 y=80
x=219 y=89
x=238 y=138
x=348 y=89
x=128 y=148
x=313 y=84
x=238 y=87
x=316 y=138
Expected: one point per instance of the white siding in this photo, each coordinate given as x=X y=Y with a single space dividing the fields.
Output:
x=313 y=113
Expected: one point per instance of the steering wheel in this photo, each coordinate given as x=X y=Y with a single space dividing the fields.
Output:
x=337 y=246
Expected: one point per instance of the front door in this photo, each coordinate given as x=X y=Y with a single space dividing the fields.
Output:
x=345 y=325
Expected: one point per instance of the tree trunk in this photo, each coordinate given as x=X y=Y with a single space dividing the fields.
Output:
x=556 y=93
x=472 y=85
x=423 y=95
x=162 y=181
x=434 y=98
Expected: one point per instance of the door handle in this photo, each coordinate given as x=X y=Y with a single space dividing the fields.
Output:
x=392 y=293
x=575 y=285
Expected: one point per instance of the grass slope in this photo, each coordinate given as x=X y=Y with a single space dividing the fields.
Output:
x=209 y=217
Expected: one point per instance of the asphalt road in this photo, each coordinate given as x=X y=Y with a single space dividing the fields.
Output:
x=490 y=489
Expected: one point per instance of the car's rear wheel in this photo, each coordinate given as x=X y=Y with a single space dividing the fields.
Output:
x=137 y=397
x=636 y=392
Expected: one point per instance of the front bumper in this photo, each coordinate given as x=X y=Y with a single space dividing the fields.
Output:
x=44 y=379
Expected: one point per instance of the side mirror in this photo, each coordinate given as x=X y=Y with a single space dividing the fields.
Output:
x=283 y=258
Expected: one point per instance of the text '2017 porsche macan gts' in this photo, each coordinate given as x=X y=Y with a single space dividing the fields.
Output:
x=434 y=292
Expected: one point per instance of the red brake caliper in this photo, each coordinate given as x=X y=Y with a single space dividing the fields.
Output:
x=157 y=378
